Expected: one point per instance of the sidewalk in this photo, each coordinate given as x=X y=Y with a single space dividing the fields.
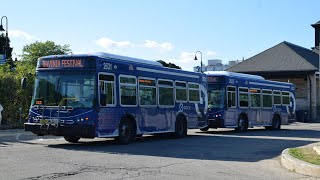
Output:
x=17 y=135
x=301 y=167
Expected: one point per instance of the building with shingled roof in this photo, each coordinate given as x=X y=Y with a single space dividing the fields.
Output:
x=288 y=62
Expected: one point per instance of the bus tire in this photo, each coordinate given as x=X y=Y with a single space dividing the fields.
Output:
x=127 y=132
x=276 y=122
x=242 y=124
x=180 y=127
x=72 y=139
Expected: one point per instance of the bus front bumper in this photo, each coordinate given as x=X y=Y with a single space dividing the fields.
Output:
x=58 y=130
x=216 y=123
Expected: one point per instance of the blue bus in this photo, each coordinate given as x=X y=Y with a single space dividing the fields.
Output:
x=241 y=101
x=105 y=95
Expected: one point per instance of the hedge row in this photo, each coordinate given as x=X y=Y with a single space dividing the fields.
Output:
x=12 y=97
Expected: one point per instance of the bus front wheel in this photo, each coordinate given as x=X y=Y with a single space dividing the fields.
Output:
x=276 y=123
x=180 y=127
x=242 y=124
x=72 y=139
x=126 y=132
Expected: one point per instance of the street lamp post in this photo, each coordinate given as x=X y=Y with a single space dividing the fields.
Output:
x=195 y=58
x=1 y=29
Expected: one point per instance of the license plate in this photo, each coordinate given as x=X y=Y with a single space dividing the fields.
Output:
x=49 y=121
x=44 y=121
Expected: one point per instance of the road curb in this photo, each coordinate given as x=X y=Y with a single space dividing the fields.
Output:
x=317 y=149
x=296 y=165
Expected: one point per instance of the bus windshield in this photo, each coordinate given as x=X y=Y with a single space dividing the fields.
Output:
x=69 y=89
x=216 y=96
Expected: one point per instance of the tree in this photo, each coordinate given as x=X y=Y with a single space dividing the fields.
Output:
x=35 y=50
x=3 y=46
x=169 y=65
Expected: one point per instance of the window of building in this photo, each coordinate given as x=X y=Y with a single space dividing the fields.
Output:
x=147 y=92
x=166 y=94
x=194 y=92
x=267 y=98
x=181 y=91
x=243 y=97
x=255 y=98
x=107 y=91
x=128 y=90
x=231 y=101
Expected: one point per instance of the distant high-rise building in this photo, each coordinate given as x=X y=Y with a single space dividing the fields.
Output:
x=215 y=65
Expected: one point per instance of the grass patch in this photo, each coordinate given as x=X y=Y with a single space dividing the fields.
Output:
x=305 y=154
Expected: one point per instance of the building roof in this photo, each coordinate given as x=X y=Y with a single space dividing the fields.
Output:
x=284 y=57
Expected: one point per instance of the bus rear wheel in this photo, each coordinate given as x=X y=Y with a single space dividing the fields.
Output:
x=276 y=123
x=242 y=124
x=126 y=132
x=180 y=127
x=72 y=139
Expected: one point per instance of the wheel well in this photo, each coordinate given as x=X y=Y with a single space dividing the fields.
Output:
x=184 y=118
x=243 y=115
x=275 y=116
x=132 y=120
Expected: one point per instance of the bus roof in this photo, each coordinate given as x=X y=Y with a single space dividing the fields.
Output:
x=233 y=74
x=108 y=55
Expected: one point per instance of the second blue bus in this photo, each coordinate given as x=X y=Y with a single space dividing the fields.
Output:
x=242 y=101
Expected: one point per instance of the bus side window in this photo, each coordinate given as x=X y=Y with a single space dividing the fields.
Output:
x=128 y=90
x=107 y=90
x=255 y=98
x=166 y=93
x=181 y=91
x=267 y=99
x=285 y=98
x=147 y=92
x=231 y=97
x=194 y=92
x=243 y=97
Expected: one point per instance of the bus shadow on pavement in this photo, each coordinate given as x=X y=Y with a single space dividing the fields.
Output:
x=289 y=133
x=230 y=146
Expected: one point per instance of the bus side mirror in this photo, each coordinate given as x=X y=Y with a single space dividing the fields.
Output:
x=24 y=83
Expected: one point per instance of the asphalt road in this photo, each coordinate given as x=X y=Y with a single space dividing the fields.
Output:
x=216 y=154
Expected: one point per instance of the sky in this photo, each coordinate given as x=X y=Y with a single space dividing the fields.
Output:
x=169 y=30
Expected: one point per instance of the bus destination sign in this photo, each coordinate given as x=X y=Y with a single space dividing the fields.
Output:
x=65 y=63
x=215 y=79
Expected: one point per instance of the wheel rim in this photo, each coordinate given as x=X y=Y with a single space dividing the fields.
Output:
x=181 y=128
x=277 y=123
x=241 y=124
x=125 y=131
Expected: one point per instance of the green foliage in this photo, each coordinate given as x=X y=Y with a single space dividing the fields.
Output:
x=305 y=154
x=11 y=95
x=169 y=65
x=35 y=50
